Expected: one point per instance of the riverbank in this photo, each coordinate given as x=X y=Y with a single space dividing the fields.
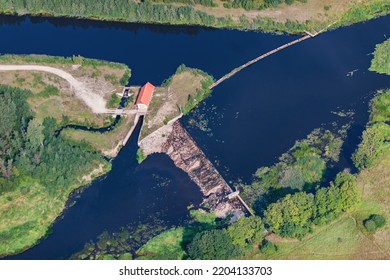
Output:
x=296 y=18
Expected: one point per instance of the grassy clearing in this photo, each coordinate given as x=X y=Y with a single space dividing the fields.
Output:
x=375 y=186
x=53 y=97
x=107 y=143
x=335 y=241
x=166 y=246
x=178 y=94
x=339 y=240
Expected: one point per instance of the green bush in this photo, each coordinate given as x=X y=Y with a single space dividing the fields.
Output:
x=379 y=220
x=370 y=225
x=125 y=78
x=374 y=222
x=114 y=101
x=268 y=248
x=49 y=91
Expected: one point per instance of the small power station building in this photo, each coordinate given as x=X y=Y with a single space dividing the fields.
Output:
x=145 y=96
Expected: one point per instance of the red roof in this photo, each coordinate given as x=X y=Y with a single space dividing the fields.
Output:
x=145 y=94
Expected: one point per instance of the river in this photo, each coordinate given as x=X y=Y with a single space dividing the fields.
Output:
x=248 y=121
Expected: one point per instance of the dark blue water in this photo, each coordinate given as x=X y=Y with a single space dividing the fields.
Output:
x=153 y=52
x=258 y=114
x=253 y=117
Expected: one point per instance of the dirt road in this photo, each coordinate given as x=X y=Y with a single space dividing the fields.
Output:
x=93 y=100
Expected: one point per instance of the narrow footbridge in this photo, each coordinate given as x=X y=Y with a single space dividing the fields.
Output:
x=249 y=63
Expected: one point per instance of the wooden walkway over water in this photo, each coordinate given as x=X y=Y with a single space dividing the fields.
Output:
x=249 y=63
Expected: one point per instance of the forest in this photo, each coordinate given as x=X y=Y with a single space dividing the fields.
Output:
x=122 y=10
x=257 y=4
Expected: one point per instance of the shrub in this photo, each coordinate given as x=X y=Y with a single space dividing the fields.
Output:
x=374 y=222
x=268 y=248
x=370 y=225
x=379 y=220
x=125 y=78
x=114 y=101
x=49 y=91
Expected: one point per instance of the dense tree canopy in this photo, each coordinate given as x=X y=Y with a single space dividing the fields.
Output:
x=256 y=4
x=28 y=146
x=246 y=230
x=213 y=245
x=371 y=145
x=15 y=115
x=127 y=10
x=291 y=216
x=294 y=215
